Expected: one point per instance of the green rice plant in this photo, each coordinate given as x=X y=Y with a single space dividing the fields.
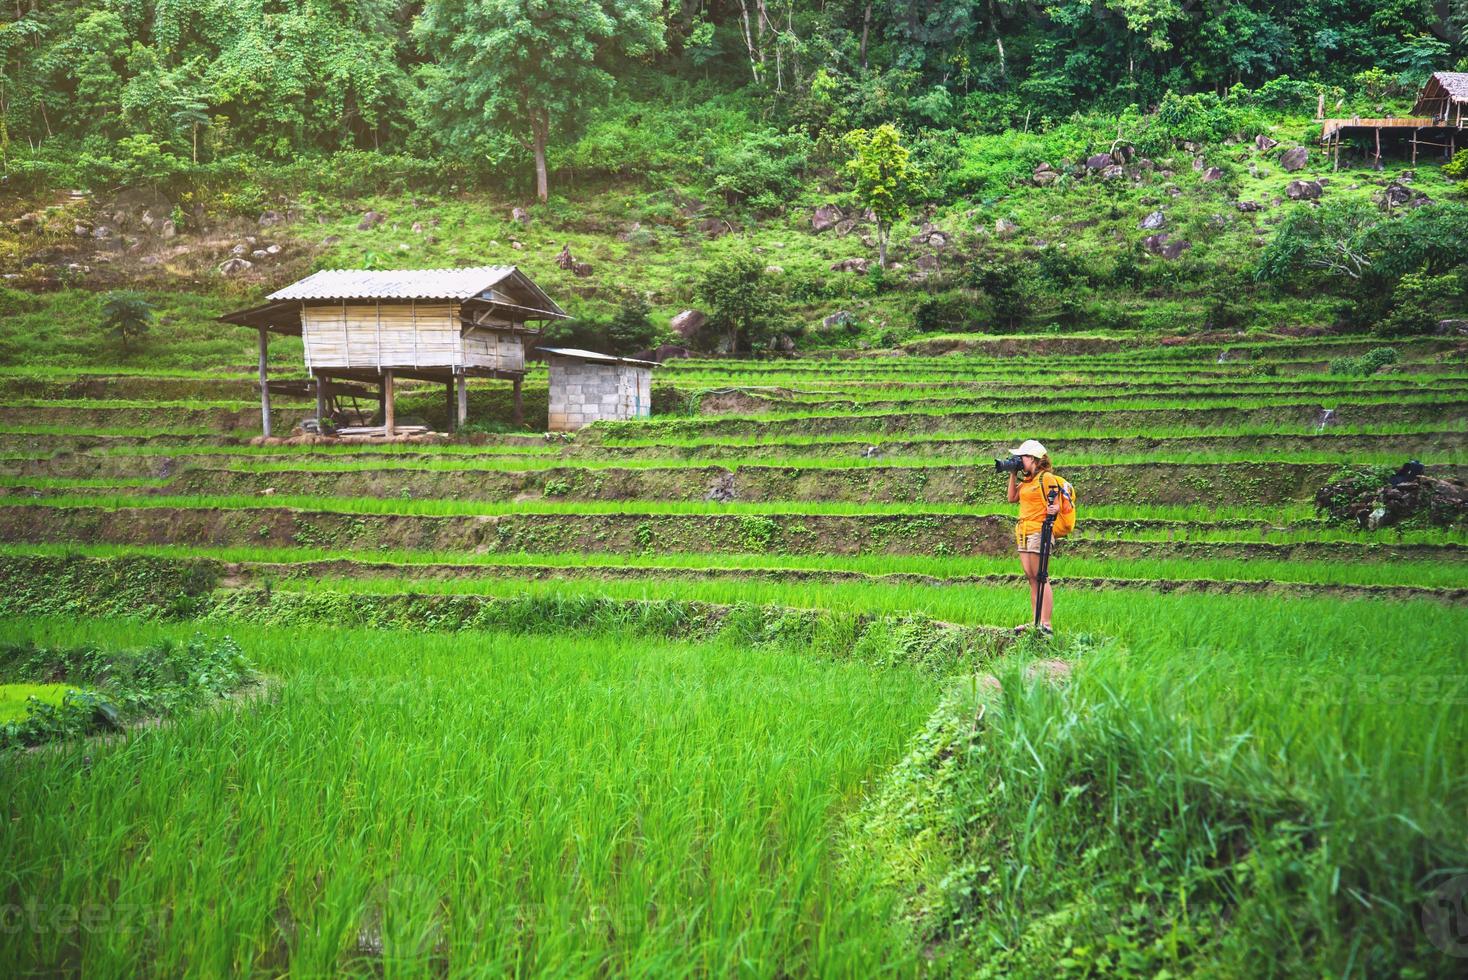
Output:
x=477 y=802
x=935 y=570
x=1274 y=514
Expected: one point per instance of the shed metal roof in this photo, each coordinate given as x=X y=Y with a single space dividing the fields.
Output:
x=454 y=284
x=578 y=354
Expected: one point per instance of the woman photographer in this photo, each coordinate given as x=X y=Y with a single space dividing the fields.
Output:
x=1030 y=489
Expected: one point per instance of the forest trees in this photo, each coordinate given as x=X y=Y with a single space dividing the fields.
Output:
x=529 y=68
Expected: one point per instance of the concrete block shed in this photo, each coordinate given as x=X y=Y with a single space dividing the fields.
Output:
x=586 y=386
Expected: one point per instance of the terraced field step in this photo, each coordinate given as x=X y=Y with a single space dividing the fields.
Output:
x=1344 y=442
x=747 y=401
x=1430 y=413
x=222 y=417
x=164 y=588
x=1153 y=483
x=300 y=564
x=251 y=524
x=283 y=574
x=1004 y=348
x=60 y=452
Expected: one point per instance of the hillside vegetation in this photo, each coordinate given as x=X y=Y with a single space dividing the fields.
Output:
x=385 y=135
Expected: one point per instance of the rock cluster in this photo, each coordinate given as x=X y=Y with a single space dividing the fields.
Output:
x=1410 y=494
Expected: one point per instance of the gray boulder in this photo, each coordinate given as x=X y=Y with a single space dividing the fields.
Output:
x=230 y=267
x=858 y=266
x=825 y=217
x=1153 y=221
x=1304 y=190
x=371 y=220
x=1211 y=174
x=1005 y=228
x=688 y=323
x=1099 y=161
x=1294 y=158
x=1263 y=143
x=1165 y=246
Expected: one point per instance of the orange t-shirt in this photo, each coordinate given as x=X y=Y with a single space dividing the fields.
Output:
x=1032 y=502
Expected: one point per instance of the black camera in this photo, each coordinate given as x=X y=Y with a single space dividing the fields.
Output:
x=1013 y=464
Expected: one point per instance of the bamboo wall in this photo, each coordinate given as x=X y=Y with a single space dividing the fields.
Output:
x=402 y=335
x=492 y=348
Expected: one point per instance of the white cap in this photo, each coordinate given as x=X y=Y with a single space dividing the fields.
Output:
x=1029 y=448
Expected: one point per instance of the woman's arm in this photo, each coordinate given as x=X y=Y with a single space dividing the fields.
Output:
x=1013 y=490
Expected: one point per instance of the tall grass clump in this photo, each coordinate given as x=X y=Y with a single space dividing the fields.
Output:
x=1245 y=808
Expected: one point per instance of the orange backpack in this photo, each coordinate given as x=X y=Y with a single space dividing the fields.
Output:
x=1065 y=521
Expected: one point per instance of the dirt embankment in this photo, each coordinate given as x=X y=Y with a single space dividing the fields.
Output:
x=163 y=418
x=1300 y=414
x=1126 y=483
x=793 y=534
x=979 y=450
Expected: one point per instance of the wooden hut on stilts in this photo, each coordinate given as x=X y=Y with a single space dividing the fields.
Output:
x=1439 y=122
x=375 y=327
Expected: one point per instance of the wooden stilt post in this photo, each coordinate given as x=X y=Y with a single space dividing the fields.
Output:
x=463 y=406
x=320 y=399
x=1378 y=148
x=264 y=385
x=388 y=426
x=517 y=416
x=1415 y=134
x=450 y=403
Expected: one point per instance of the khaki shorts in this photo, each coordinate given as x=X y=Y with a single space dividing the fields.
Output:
x=1030 y=543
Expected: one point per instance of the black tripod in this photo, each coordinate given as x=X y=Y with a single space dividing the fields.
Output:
x=1042 y=574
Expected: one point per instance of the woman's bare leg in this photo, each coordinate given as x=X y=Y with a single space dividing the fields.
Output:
x=1030 y=562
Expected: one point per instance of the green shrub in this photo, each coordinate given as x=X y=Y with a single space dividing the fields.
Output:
x=1457 y=167
x=117 y=685
x=1418 y=301
x=631 y=329
x=1369 y=363
x=946 y=313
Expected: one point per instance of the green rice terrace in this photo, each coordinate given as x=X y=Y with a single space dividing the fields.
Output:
x=734 y=689
x=517 y=489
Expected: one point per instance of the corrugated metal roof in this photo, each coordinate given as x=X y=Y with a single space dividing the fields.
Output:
x=591 y=355
x=458 y=284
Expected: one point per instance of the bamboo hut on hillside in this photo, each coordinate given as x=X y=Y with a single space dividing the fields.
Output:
x=1439 y=121
x=441 y=325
